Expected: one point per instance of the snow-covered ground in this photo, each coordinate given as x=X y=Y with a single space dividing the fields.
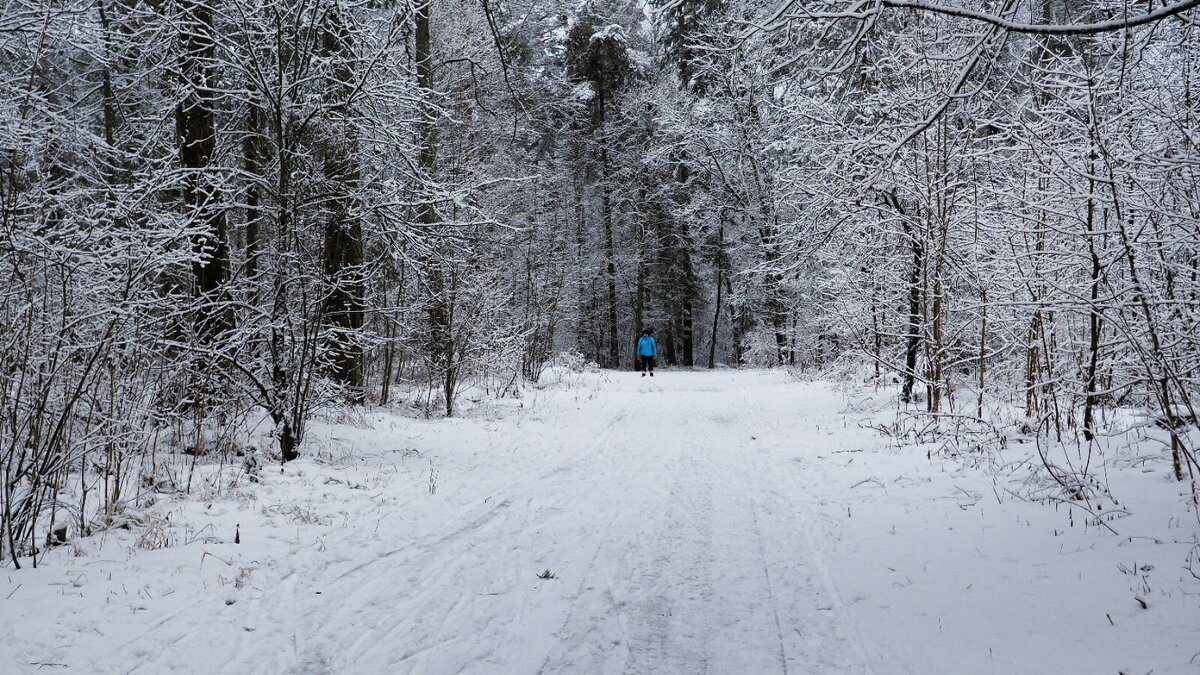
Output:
x=720 y=522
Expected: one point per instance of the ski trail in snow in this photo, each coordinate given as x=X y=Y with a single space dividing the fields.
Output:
x=770 y=592
x=784 y=477
x=593 y=467
x=672 y=628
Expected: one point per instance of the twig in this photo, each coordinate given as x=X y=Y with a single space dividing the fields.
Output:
x=1099 y=520
x=205 y=554
x=969 y=495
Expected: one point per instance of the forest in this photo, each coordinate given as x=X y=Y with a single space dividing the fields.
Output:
x=218 y=210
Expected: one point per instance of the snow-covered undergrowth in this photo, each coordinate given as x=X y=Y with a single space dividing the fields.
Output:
x=1047 y=555
x=722 y=521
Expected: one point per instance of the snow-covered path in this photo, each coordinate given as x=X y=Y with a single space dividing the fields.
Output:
x=699 y=522
x=674 y=543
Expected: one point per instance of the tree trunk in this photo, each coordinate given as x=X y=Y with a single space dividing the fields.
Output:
x=390 y=346
x=982 y=363
x=610 y=266
x=343 y=253
x=876 y=335
x=639 y=303
x=195 y=122
x=687 y=336
x=913 y=338
x=440 y=348
x=719 y=264
x=581 y=325
x=250 y=162
x=712 y=342
x=1094 y=318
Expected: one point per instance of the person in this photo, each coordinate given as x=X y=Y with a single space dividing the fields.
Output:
x=647 y=352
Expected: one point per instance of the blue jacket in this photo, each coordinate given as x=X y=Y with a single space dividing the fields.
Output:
x=647 y=346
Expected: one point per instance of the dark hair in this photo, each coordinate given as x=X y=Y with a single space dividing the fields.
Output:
x=647 y=331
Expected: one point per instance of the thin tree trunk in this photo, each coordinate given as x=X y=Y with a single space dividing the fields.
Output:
x=876 y=335
x=581 y=324
x=610 y=254
x=913 y=339
x=982 y=363
x=1094 y=318
x=343 y=252
x=195 y=120
x=716 y=324
x=720 y=265
x=390 y=347
x=250 y=162
x=440 y=348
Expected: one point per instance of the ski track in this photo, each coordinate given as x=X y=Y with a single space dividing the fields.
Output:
x=679 y=543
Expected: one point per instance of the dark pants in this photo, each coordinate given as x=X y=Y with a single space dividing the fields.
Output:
x=647 y=363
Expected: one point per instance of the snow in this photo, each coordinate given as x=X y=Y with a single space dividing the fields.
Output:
x=722 y=521
x=614 y=32
x=584 y=91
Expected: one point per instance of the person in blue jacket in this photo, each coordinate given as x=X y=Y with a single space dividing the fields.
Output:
x=647 y=351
